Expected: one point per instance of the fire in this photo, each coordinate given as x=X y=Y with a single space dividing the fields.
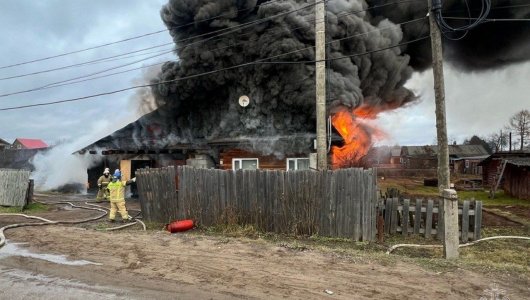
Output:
x=357 y=134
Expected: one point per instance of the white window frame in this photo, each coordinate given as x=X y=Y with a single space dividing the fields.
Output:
x=240 y=160
x=295 y=162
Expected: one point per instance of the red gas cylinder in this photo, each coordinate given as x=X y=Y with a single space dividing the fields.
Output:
x=179 y=226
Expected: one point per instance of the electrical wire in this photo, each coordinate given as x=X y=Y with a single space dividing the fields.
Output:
x=447 y=29
x=259 y=61
x=219 y=32
x=490 y=20
x=78 y=79
x=131 y=38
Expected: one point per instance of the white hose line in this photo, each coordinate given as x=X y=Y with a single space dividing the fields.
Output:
x=460 y=246
x=119 y=227
x=46 y=221
x=3 y=237
x=26 y=216
x=142 y=223
x=94 y=207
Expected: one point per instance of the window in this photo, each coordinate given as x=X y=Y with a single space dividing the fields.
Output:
x=245 y=164
x=297 y=164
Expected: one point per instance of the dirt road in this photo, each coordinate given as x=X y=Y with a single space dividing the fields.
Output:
x=157 y=265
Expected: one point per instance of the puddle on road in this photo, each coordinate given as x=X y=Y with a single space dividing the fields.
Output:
x=10 y=250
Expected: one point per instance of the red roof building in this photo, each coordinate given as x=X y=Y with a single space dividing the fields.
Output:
x=29 y=144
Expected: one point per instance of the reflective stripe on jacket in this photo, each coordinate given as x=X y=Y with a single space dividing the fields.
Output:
x=104 y=181
x=117 y=191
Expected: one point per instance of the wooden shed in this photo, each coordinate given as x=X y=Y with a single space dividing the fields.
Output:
x=517 y=177
x=492 y=165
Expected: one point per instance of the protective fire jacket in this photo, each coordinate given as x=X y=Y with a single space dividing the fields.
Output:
x=104 y=181
x=117 y=190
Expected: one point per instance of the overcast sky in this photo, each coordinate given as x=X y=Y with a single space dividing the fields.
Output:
x=476 y=103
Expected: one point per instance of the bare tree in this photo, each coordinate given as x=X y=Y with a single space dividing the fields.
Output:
x=520 y=124
x=497 y=141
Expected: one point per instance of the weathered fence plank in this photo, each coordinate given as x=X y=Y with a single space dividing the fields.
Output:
x=388 y=213
x=417 y=216
x=428 y=219
x=405 y=223
x=465 y=221
x=14 y=187
x=478 y=219
x=394 y=214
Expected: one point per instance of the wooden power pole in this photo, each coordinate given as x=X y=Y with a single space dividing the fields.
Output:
x=320 y=57
x=450 y=202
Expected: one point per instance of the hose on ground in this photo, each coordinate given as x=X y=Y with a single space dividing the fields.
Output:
x=50 y=222
x=459 y=246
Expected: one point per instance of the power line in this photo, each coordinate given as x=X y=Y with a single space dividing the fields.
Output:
x=231 y=30
x=259 y=61
x=129 y=39
x=220 y=32
x=65 y=82
x=489 y=20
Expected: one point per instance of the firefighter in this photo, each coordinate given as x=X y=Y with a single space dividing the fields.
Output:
x=117 y=196
x=103 y=182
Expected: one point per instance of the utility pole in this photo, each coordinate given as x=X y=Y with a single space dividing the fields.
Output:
x=320 y=68
x=448 y=196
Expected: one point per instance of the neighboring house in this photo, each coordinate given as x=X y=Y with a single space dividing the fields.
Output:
x=20 y=154
x=492 y=166
x=4 y=144
x=21 y=143
x=419 y=157
x=395 y=155
x=464 y=159
x=384 y=157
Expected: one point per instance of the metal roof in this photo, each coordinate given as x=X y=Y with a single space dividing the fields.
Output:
x=455 y=151
x=519 y=161
x=32 y=143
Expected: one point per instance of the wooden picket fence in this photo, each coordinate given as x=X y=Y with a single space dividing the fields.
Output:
x=421 y=217
x=158 y=193
x=15 y=187
x=340 y=203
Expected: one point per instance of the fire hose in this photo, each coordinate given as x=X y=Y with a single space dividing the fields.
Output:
x=50 y=222
x=460 y=246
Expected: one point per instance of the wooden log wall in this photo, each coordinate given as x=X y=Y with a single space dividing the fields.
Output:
x=14 y=187
x=517 y=181
x=265 y=162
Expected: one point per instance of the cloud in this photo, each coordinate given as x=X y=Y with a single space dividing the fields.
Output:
x=476 y=103
x=34 y=30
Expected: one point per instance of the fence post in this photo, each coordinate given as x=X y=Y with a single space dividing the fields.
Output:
x=465 y=221
x=450 y=221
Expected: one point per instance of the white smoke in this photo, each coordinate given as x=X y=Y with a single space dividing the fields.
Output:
x=62 y=166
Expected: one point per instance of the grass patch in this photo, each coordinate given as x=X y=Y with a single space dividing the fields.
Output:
x=102 y=226
x=413 y=187
x=154 y=226
x=31 y=208
x=501 y=199
x=496 y=256
x=233 y=230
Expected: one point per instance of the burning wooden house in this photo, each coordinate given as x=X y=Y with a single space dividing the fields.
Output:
x=150 y=143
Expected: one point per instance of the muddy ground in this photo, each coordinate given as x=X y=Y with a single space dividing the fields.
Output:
x=154 y=264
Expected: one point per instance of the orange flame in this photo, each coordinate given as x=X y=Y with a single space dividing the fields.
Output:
x=357 y=134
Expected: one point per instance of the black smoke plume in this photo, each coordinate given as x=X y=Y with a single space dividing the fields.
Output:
x=282 y=95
